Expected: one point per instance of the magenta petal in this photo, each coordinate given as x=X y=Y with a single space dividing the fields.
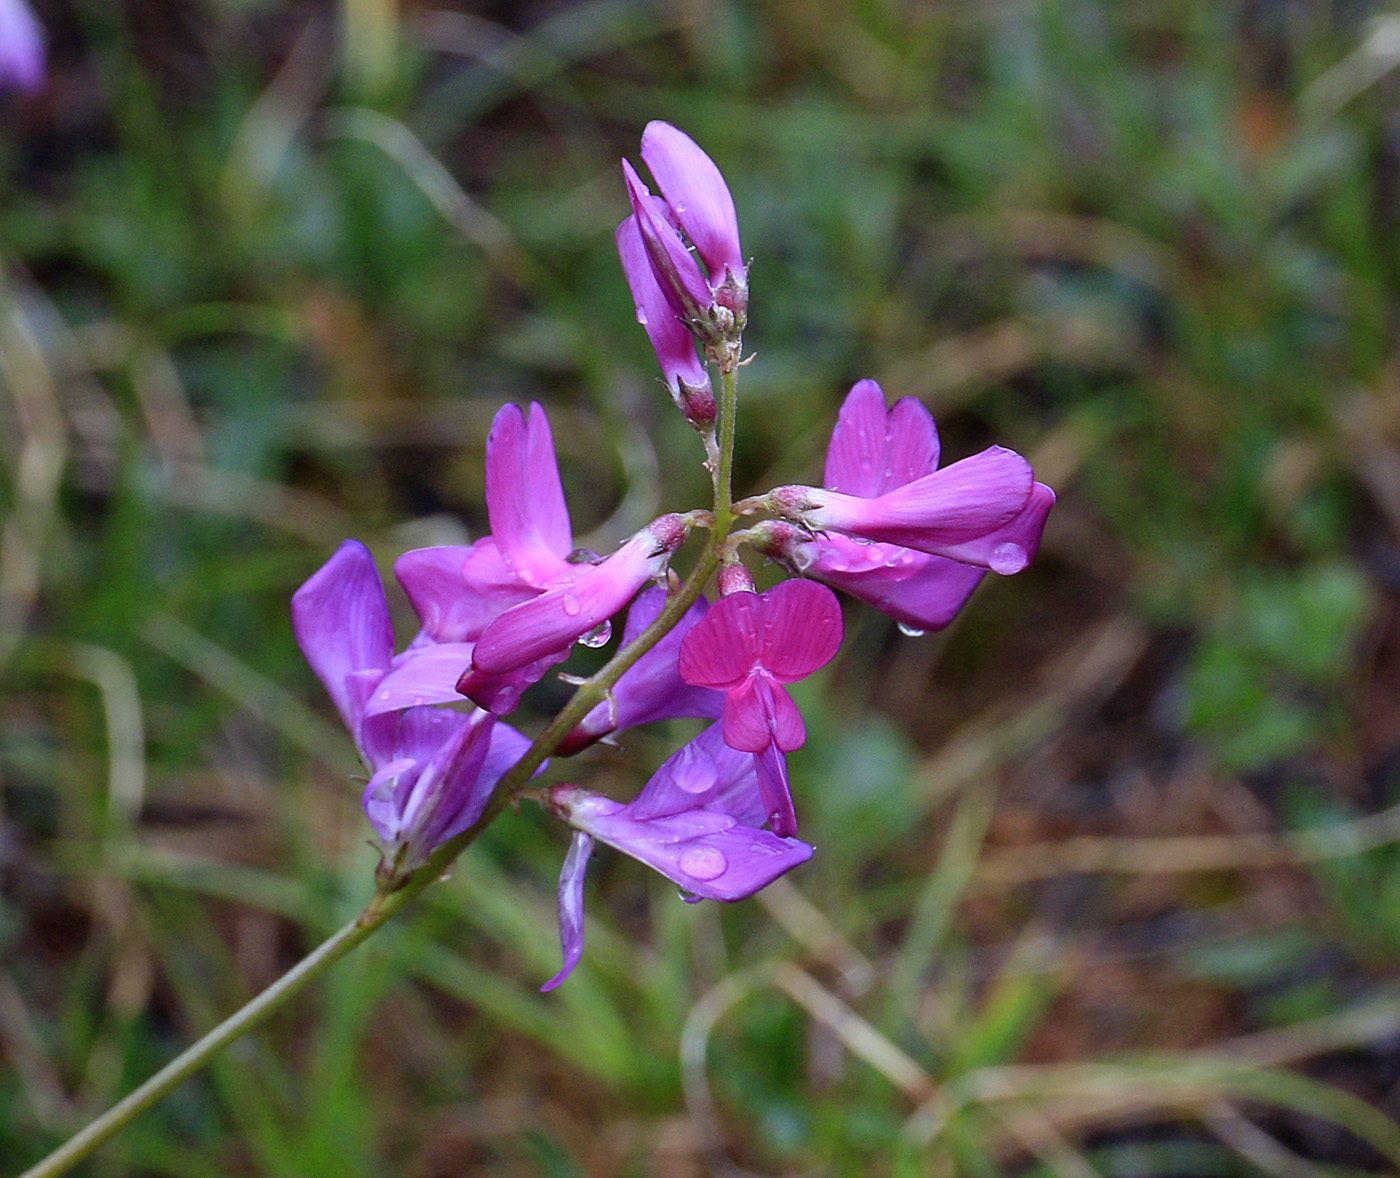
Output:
x=725 y=644
x=773 y=791
x=697 y=194
x=677 y=272
x=524 y=498
x=1014 y=545
x=341 y=621
x=423 y=674
x=501 y=692
x=670 y=338
x=920 y=591
x=747 y=718
x=553 y=621
x=801 y=629
x=456 y=591
x=571 y=906
x=911 y=446
x=959 y=503
x=855 y=459
x=785 y=721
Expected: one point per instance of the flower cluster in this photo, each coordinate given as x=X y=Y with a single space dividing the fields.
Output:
x=717 y=818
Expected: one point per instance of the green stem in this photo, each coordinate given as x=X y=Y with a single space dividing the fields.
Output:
x=386 y=903
x=196 y=1056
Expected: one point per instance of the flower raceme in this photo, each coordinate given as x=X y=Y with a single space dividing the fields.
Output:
x=890 y=527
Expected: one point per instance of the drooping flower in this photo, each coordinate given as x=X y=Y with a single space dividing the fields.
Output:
x=748 y=645
x=697 y=822
x=709 y=295
x=21 y=47
x=432 y=770
x=884 y=484
x=540 y=632
x=652 y=688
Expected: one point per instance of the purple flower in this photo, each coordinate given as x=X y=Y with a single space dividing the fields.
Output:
x=432 y=770
x=697 y=821
x=684 y=374
x=710 y=295
x=883 y=484
x=748 y=645
x=652 y=688
x=21 y=47
x=539 y=632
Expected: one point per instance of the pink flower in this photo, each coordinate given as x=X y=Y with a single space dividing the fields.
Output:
x=748 y=645
x=521 y=596
x=883 y=484
x=697 y=822
x=539 y=632
x=710 y=295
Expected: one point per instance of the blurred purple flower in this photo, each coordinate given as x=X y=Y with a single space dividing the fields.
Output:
x=748 y=645
x=21 y=47
x=697 y=821
x=883 y=484
x=652 y=688
x=432 y=770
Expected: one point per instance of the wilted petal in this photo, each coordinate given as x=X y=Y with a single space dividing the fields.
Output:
x=670 y=338
x=571 y=906
x=1014 y=545
x=695 y=190
x=524 y=498
x=426 y=673
x=341 y=621
x=801 y=629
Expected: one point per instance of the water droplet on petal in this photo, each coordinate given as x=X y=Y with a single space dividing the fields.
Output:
x=910 y=631
x=1008 y=557
x=703 y=863
x=598 y=636
x=526 y=575
x=689 y=897
x=571 y=605
x=506 y=699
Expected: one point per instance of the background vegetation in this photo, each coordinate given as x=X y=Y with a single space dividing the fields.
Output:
x=1106 y=879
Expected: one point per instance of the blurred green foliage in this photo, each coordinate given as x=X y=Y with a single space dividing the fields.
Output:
x=269 y=271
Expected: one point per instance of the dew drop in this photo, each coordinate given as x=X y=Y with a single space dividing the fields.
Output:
x=689 y=897
x=505 y=701
x=703 y=863
x=571 y=605
x=598 y=636
x=1008 y=557
x=911 y=631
